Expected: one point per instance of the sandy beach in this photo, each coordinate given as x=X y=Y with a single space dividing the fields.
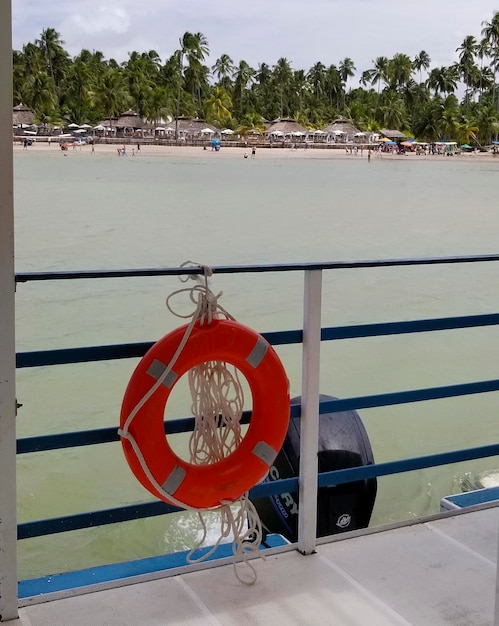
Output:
x=228 y=152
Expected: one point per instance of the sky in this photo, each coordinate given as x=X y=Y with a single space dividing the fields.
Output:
x=302 y=31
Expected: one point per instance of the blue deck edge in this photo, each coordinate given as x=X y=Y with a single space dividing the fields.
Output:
x=117 y=571
x=470 y=498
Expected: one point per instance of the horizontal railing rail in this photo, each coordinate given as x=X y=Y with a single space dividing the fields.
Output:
x=38 y=528
x=64 y=356
x=99 y=436
x=24 y=277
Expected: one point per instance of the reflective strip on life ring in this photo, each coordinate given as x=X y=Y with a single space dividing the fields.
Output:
x=204 y=486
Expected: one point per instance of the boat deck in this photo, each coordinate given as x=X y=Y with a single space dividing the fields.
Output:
x=441 y=571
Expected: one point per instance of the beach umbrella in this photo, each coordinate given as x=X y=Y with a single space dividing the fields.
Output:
x=99 y=127
x=207 y=131
x=384 y=139
x=227 y=131
x=73 y=125
x=85 y=126
x=80 y=130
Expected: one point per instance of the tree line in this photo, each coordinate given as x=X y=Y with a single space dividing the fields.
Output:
x=399 y=92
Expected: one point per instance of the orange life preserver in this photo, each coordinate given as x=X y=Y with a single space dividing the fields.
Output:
x=204 y=486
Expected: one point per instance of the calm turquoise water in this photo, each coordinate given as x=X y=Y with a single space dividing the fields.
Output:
x=85 y=212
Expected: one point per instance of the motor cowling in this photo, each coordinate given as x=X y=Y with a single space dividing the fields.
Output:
x=343 y=443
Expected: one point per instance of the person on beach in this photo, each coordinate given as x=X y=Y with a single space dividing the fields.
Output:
x=253 y=152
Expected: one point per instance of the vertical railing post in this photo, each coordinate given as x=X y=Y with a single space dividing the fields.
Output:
x=309 y=423
x=8 y=519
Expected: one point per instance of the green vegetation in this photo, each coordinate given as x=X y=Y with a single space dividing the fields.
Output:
x=403 y=93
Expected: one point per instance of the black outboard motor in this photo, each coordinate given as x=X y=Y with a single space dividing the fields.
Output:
x=343 y=443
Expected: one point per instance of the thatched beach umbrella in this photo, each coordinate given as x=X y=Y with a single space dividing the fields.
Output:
x=285 y=126
x=393 y=135
x=22 y=116
x=342 y=128
x=194 y=127
x=129 y=122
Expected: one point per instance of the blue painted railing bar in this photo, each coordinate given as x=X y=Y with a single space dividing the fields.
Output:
x=404 y=397
x=80 y=521
x=338 y=477
x=410 y=326
x=39 y=358
x=63 y=356
x=41 y=443
x=24 y=277
x=108 y=435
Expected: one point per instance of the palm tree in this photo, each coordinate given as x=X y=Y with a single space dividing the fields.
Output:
x=195 y=48
x=245 y=75
x=317 y=79
x=282 y=75
x=483 y=51
x=379 y=73
x=160 y=104
x=443 y=79
x=421 y=62
x=218 y=107
x=112 y=93
x=299 y=88
x=55 y=56
x=224 y=69
x=334 y=86
x=399 y=71
x=366 y=78
x=391 y=112
x=346 y=70
x=490 y=32
x=466 y=65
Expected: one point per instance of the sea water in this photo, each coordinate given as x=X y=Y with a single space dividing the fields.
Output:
x=99 y=211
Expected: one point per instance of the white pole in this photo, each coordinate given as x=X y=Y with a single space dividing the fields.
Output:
x=309 y=426
x=8 y=519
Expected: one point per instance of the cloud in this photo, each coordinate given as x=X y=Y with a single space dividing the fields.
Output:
x=303 y=31
x=104 y=19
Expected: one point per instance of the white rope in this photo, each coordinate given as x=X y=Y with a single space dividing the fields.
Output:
x=217 y=406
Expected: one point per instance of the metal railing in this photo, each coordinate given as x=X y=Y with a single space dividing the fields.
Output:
x=310 y=337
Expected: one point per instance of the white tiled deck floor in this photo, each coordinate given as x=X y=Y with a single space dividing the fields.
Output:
x=437 y=572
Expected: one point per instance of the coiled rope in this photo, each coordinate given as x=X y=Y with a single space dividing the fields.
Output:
x=217 y=405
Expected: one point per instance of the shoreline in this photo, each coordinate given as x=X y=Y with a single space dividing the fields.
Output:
x=229 y=152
